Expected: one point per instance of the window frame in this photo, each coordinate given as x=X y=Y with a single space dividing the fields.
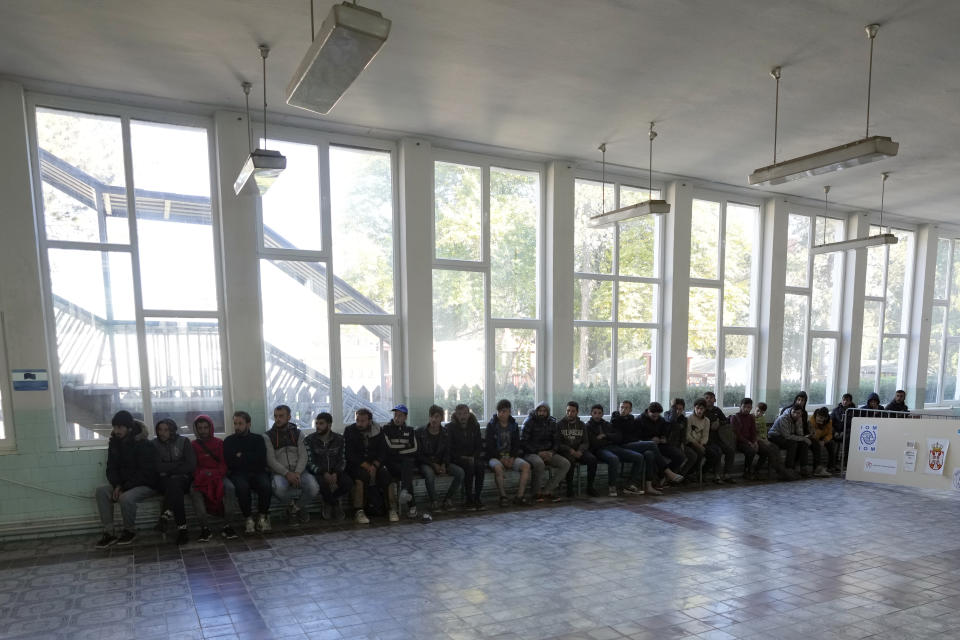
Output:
x=620 y=181
x=953 y=244
x=125 y=113
x=8 y=444
x=483 y=266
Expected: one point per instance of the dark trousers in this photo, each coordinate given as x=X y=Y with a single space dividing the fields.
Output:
x=818 y=449
x=674 y=455
x=654 y=461
x=796 y=451
x=719 y=448
x=402 y=469
x=247 y=483
x=694 y=459
x=586 y=458
x=749 y=452
x=332 y=496
x=174 y=488
x=473 y=472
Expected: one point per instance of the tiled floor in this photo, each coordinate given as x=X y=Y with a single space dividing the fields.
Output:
x=811 y=559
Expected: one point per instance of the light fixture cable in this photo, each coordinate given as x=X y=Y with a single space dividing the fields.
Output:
x=653 y=134
x=826 y=191
x=246 y=97
x=883 y=188
x=603 y=177
x=775 y=74
x=313 y=31
x=264 y=52
x=871 y=30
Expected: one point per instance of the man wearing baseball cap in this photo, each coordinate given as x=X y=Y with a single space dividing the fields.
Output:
x=401 y=460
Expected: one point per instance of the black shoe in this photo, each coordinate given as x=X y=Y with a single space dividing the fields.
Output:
x=479 y=506
x=182 y=536
x=593 y=493
x=228 y=533
x=205 y=535
x=126 y=537
x=504 y=501
x=107 y=540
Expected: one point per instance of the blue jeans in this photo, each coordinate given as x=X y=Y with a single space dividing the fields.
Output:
x=613 y=455
x=654 y=460
x=430 y=480
x=308 y=489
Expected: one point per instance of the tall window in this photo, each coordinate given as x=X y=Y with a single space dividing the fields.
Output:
x=127 y=238
x=942 y=363
x=486 y=300
x=886 y=316
x=811 y=312
x=327 y=283
x=724 y=245
x=6 y=437
x=616 y=299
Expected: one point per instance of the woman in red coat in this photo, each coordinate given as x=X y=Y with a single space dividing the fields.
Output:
x=207 y=492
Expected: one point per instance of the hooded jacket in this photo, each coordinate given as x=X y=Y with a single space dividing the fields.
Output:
x=678 y=428
x=286 y=450
x=866 y=411
x=572 y=435
x=626 y=425
x=893 y=405
x=785 y=427
x=175 y=457
x=539 y=434
x=433 y=448
x=326 y=453
x=786 y=409
x=401 y=441
x=465 y=439
x=838 y=417
x=596 y=428
x=364 y=446
x=211 y=467
x=245 y=452
x=132 y=460
x=498 y=440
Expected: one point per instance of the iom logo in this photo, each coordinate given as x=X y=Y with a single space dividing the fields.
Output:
x=868 y=438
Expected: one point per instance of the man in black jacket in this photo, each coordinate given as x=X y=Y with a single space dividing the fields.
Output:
x=574 y=445
x=466 y=451
x=132 y=474
x=176 y=462
x=246 y=456
x=722 y=440
x=366 y=452
x=539 y=442
x=327 y=463
x=433 y=457
x=401 y=461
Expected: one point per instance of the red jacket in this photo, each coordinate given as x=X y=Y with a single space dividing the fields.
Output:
x=211 y=468
x=745 y=427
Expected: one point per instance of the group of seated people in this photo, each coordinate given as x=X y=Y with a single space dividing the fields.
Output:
x=375 y=464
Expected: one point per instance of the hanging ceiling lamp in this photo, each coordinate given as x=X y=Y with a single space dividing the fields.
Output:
x=859 y=243
x=265 y=165
x=868 y=149
x=645 y=208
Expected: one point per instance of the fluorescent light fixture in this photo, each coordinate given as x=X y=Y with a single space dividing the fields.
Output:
x=858 y=243
x=645 y=208
x=839 y=158
x=348 y=40
x=265 y=165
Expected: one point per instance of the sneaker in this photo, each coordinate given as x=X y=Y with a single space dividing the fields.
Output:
x=633 y=490
x=393 y=516
x=593 y=493
x=730 y=480
x=205 y=535
x=325 y=512
x=479 y=506
x=263 y=523
x=612 y=492
x=228 y=532
x=426 y=517
x=756 y=477
x=412 y=511
x=549 y=497
x=126 y=537
x=522 y=501
x=404 y=497
x=182 y=536
x=337 y=513
x=820 y=472
x=250 y=526
x=447 y=505
x=539 y=497
x=504 y=501
x=107 y=540
x=360 y=517
x=676 y=479
x=718 y=480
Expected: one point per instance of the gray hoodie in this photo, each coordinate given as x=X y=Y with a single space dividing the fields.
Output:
x=786 y=427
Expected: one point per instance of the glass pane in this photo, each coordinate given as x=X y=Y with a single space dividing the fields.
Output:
x=794 y=334
x=937 y=319
x=458 y=338
x=875 y=260
x=636 y=365
x=593 y=248
x=83 y=179
x=737 y=369
x=638 y=302
x=953 y=315
x=591 y=366
x=185 y=370
x=704 y=239
x=98 y=359
x=171 y=168
x=951 y=391
x=798 y=248
x=899 y=271
x=515 y=373
x=828 y=230
x=592 y=299
x=823 y=352
x=361 y=213
x=891 y=367
x=3 y=431
x=366 y=370
x=740 y=244
x=514 y=230
x=943 y=262
x=291 y=208
x=870 y=345
x=827 y=282
x=702 y=342
x=639 y=246
x=457 y=205
x=293 y=298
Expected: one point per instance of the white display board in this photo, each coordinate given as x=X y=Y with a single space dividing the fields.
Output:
x=913 y=452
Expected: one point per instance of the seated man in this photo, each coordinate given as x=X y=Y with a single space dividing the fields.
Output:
x=899 y=402
x=839 y=417
x=466 y=451
x=677 y=437
x=606 y=444
x=820 y=433
x=366 y=453
x=753 y=442
x=132 y=474
x=433 y=458
x=502 y=445
x=698 y=436
x=787 y=433
x=539 y=443
x=326 y=462
x=287 y=459
x=573 y=443
x=401 y=461
x=246 y=456
x=208 y=488
x=653 y=429
x=176 y=463
x=721 y=440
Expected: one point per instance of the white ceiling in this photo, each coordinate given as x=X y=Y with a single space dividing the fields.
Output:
x=557 y=77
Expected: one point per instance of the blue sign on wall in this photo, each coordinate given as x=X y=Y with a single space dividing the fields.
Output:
x=30 y=380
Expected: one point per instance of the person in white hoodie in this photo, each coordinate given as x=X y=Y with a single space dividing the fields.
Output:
x=287 y=460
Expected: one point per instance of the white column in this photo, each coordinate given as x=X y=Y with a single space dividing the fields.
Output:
x=241 y=272
x=776 y=221
x=676 y=293
x=920 y=310
x=851 y=321
x=416 y=276
x=558 y=283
